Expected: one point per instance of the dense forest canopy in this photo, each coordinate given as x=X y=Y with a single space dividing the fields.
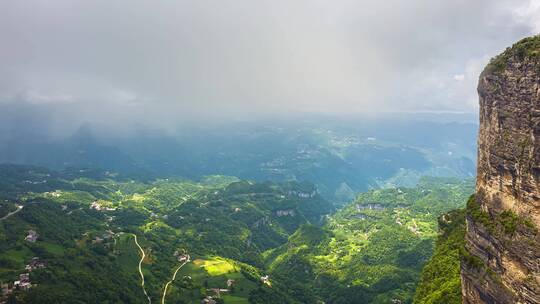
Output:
x=275 y=240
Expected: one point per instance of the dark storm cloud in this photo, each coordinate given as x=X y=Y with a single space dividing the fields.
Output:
x=163 y=62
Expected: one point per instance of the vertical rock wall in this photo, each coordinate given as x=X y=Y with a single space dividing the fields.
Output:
x=501 y=263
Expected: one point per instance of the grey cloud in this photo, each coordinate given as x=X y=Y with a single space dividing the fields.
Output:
x=162 y=62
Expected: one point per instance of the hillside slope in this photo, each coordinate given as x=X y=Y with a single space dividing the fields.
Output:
x=441 y=281
x=78 y=238
x=374 y=249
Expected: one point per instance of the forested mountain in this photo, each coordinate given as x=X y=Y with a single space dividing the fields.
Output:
x=269 y=152
x=374 y=249
x=85 y=227
x=84 y=235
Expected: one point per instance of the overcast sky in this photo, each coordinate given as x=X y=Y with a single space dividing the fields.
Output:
x=161 y=62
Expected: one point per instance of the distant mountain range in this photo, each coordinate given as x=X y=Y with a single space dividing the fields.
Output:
x=341 y=157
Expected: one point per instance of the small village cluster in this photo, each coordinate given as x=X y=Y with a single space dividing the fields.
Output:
x=208 y=300
x=23 y=283
x=230 y=285
x=182 y=257
x=108 y=235
x=96 y=206
x=217 y=292
x=32 y=236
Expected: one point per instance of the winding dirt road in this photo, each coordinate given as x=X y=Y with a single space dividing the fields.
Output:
x=140 y=267
x=19 y=208
x=173 y=278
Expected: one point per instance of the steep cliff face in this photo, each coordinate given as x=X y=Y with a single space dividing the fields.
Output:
x=501 y=262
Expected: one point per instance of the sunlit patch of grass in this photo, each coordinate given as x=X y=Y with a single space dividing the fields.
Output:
x=158 y=225
x=217 y=266
x=139 y=198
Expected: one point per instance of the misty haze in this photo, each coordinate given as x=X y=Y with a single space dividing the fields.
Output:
x=269 y=151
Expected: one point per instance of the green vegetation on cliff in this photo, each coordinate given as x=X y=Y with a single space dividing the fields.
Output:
x=526 y=47
x=506 y=222
x=441 y=281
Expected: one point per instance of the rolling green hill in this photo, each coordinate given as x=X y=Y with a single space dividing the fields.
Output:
x=85 y=229
x=373 y=250
x=236 y=241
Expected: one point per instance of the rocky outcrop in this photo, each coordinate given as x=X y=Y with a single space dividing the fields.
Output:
x=370 y=206
x=501 y=260
x=285 y=212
